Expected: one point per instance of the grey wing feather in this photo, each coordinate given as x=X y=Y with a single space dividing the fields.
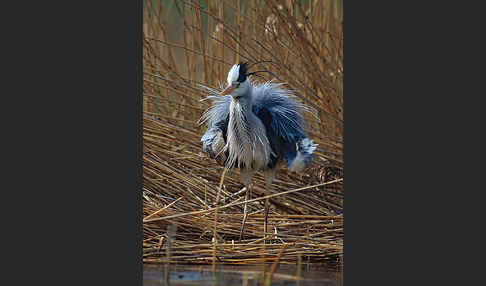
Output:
x=216 y=118
x=282 y=114
x=219 y=109
x=213 y=144
x=286 y=112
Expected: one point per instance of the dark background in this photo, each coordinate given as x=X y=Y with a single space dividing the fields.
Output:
x=72 y=203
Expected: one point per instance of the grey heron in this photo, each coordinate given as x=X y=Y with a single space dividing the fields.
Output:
x=256 y=127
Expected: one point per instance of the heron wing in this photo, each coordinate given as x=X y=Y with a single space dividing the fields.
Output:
x=283 y=109
x=216 y=118
x=214 y=141
x=281 y=113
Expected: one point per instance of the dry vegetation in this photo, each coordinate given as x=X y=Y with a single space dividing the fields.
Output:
x=187 y=43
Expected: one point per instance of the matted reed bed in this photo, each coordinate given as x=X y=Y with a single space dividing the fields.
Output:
x=187 y=217
x=180 y=187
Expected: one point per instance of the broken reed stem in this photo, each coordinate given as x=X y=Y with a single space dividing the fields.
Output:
x=262 y=278
x=171 y=233
x=299 y=266
x=275 y=264
x=216 y=218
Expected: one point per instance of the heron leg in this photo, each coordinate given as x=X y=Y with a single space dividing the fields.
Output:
x=265 y=222
x=246 y=177
x=245 y=212
x=269 y=177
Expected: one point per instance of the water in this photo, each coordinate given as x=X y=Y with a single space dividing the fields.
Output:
x=238 y=276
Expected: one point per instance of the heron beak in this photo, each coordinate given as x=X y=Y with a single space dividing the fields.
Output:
x=227 y=90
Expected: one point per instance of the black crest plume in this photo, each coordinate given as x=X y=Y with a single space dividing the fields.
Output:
x=242 y=73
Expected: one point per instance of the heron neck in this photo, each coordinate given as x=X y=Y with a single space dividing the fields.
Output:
x=238 y=138
x=239 y=110
x=245 y=102
x=240 y=114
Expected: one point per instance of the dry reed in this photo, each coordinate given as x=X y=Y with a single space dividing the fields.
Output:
x=187 y=43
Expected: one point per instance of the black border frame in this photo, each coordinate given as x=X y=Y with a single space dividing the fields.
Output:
x=139 y=114
x=76 y=188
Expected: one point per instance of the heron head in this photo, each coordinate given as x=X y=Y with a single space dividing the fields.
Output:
x=238 y=84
